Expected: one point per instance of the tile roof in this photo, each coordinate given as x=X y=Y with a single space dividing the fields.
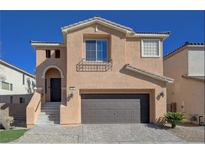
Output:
x=97 y=19
x=153 y=33
x=115 y=25
x=184 y=45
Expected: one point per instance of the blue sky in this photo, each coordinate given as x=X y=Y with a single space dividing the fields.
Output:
x=17 y=28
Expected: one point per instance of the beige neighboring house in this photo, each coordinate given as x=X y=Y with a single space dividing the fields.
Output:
x=102 y=72
x=186 y=66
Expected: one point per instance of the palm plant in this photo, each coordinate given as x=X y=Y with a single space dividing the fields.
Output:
x=174 y=118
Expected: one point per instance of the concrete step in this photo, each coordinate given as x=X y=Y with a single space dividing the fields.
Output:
x=49 y=110
x=50 y=107
x=50 y=114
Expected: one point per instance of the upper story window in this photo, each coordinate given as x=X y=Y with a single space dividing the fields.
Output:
x=57 y=53
x=96 y=50
x=150 y=48
x=6 y=86
x=48 y=53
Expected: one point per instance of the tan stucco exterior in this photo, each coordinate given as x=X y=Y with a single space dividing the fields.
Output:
x=122 y=50
x=188 y=94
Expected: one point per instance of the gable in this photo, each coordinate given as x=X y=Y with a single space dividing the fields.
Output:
x=96 y=21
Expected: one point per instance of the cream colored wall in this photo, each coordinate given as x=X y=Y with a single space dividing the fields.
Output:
x=14 y=77
x=187 y=93
x=196 y=62
x=122 y=52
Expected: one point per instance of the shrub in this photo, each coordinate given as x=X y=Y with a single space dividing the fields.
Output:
x=174 y=118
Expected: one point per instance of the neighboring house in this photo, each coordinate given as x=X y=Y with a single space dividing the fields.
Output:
x=14 y=82
x=102 y=72
x=186 y=66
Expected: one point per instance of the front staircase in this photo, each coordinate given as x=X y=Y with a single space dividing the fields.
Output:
x=49 y=115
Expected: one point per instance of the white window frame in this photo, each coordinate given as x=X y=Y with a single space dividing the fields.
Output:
x=151 y=56
x=96 y=48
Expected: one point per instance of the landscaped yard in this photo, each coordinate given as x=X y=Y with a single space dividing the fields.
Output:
x=11 y=135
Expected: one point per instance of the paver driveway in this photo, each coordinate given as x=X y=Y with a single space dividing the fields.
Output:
x=100 y=133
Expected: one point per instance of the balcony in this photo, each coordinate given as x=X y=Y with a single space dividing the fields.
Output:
x=93 y=66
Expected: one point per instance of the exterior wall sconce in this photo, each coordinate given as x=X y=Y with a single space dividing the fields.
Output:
x=161 y=94
x=71 y=91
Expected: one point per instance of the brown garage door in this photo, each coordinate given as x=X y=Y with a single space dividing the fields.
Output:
x=115 y=108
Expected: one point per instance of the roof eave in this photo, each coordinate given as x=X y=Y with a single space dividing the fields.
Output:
x=154 y=76
x=46 y=44
x=147 y=35
x=17 y=68
x=71 y=28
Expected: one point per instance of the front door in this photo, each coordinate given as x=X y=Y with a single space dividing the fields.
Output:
x=55 y=92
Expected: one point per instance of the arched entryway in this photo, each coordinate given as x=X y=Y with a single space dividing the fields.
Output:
x=53 y=77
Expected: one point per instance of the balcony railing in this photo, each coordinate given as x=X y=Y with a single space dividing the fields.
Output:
x=94 y=66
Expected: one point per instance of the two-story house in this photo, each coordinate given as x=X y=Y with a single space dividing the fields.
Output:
x=186 y=66
x=103 y=72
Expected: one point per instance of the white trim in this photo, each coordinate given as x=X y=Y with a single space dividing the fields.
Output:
x=97 y=20
x=96 y=48
x=151 y=35
x=52 y=66
x=149 y=56
x=33 y=44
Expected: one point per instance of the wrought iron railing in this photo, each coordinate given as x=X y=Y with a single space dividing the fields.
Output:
x=94 y=66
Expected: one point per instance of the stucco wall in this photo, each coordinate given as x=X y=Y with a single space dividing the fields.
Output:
x=187 y=93
x=43 y=65
x=122 y=51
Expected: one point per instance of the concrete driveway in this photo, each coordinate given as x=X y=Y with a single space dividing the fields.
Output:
x=100 y=133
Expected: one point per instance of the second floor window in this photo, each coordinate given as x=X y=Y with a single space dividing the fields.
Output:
x=96 y=50
x=48 y=53
x=57 y=53
x=6 y=86
x=150 y=48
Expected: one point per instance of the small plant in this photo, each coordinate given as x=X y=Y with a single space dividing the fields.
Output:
x=174 y=118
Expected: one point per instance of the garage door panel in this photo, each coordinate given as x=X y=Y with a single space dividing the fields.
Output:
x=111 y=103
x=103 y=108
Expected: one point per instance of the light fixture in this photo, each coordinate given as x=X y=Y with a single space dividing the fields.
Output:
x=161 y=94
x=71 y=91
